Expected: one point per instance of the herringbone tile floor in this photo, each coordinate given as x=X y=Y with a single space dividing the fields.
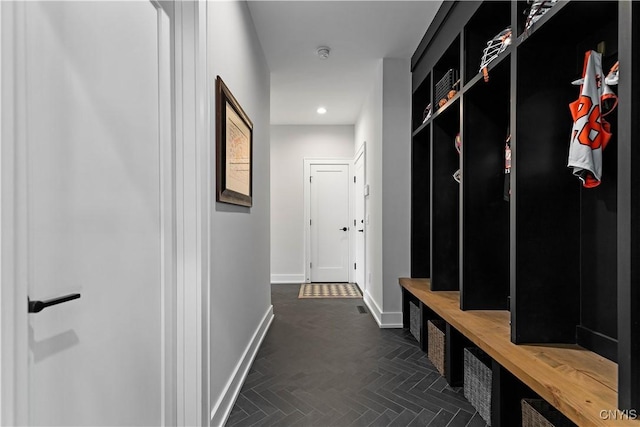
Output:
x=323 y=363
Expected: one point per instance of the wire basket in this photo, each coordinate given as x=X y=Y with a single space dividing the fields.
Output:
x=539 y=413
x=436 y=344
x=478 y=380
x=445 y=85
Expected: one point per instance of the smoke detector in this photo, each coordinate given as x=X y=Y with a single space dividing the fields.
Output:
x=323 y=52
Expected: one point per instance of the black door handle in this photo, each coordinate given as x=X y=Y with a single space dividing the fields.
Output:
x=38 y=306
x=361 y=231
x=343 y=228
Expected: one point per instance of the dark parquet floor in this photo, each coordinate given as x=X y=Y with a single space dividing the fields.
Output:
x=324 y=363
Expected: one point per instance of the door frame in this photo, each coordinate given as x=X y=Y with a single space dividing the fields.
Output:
x=13 y=321
x=361 y=153
x=186 y=331
x=192 y=130
x=308 y=162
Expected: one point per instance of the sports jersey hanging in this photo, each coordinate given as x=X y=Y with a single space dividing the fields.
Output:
x=591 y=132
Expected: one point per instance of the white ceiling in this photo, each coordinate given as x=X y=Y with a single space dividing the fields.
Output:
x=359 y=33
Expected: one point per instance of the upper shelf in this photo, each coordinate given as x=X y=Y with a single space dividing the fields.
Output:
x=548 y=15
x=438 y=113
x=479 y=77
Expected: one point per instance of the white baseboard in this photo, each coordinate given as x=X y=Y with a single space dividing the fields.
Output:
x=222 y=408
x=384 y=320
x=295 y=279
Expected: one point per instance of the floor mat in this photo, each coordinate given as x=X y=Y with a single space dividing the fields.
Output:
x=329 y=290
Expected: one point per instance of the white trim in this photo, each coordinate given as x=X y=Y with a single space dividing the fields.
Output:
x=288 y=278
x=361 y=152
x=373 y=308
x=192 y=212
x=14 y=345
x=224 y=405
x=206 y=177
x=352 y=228
x=384 y=320
x=167 y=220
x=3 y=395
x=308 y=161
x=391 y=320
x=181 y=346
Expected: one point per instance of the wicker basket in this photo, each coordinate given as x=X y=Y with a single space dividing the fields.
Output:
x=477 y=381
x=435 y=344
x=539 y=413
x=414 y=320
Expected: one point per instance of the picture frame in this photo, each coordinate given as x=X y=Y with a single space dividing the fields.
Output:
x=234 y=149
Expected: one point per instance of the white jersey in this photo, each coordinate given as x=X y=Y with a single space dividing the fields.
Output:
x=591 y=132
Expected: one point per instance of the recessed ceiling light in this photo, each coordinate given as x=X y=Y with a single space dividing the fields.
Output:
x=321 y=110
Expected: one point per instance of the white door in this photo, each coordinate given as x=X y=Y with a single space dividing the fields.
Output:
x=97 y=191
x=359 y=219
x=329 y=223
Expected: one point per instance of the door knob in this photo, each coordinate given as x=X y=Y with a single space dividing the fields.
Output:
x=38 y=306
x=343 y=228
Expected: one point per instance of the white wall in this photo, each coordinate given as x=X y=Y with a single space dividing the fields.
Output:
x=289 y=146
x=369 y=130
x=396 y=183
x=384 y=124
x=240 y=296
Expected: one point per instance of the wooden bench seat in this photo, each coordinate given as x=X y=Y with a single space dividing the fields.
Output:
x=579 y=383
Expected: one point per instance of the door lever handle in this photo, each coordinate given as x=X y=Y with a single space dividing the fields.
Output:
x=38 y=306
x=361 y=231
x=343 y=228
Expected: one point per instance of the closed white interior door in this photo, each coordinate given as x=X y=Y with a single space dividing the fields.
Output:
x=98 y=201
x=359 y=221
x=329 y=222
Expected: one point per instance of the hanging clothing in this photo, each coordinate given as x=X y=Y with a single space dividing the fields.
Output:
x=591 y=132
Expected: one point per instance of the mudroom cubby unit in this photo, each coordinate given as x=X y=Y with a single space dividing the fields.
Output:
x=445 y=200
x=484 y=249
x=490 y=19
x=550 y=205
x=497 y=216
x=421 y=203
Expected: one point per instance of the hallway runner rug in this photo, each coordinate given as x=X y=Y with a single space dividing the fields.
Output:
x=329 y=290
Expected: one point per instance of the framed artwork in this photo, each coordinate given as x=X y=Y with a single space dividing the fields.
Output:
x=234 y=149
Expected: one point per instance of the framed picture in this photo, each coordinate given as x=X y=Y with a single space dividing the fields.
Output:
x=234 y=149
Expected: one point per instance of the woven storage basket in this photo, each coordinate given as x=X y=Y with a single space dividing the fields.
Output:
x=435 y=344
x=539 y=413
x=414 y=320
x=477 y=381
